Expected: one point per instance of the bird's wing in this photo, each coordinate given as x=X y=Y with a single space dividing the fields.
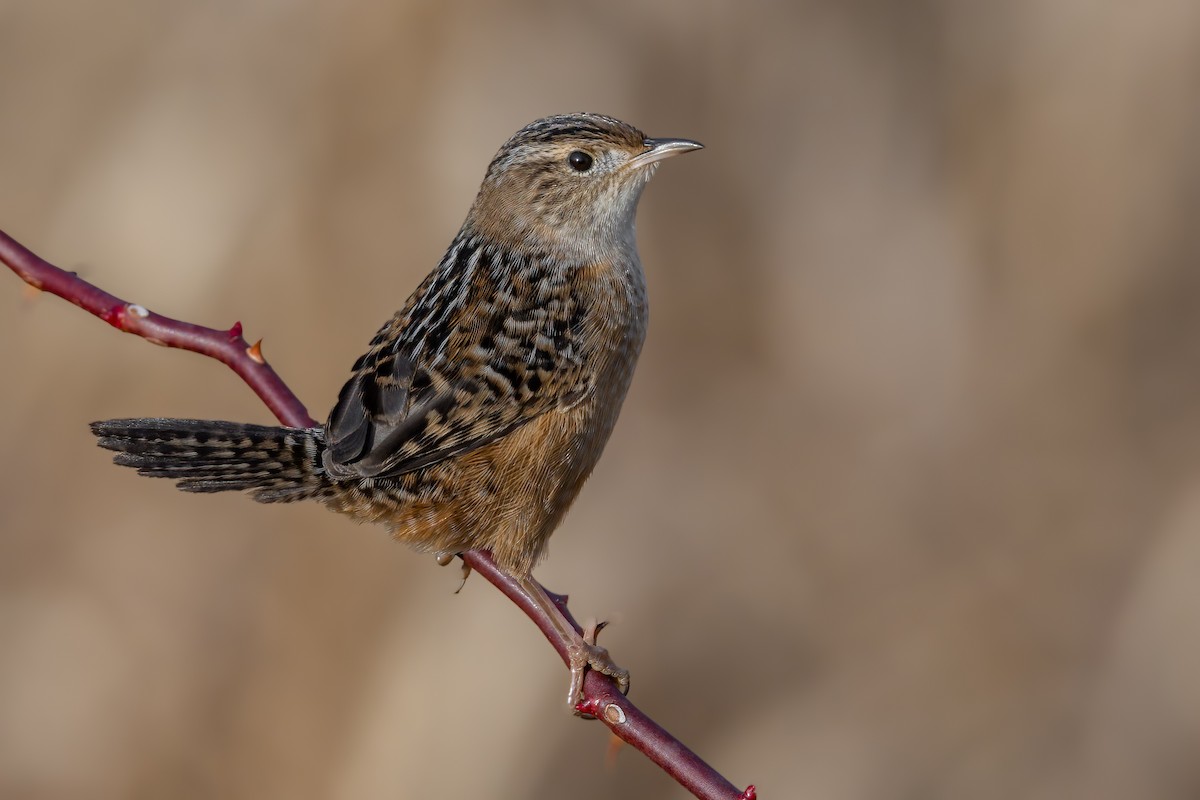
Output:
x=480 y=349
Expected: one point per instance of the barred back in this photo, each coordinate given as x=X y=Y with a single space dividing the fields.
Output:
x=276 y=465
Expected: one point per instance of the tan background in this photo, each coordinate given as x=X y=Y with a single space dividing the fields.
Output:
x=911 y=463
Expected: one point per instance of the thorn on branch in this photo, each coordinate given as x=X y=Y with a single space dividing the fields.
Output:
x=255 y=352
x=750 y=794
x=614 y=747
x=559 y=600
x=589 y=707
x=114 y=316
x=596 y=708
x=235 y=332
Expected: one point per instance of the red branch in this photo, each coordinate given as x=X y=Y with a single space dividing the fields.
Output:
x=601 y=700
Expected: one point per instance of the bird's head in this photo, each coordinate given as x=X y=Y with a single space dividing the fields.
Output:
x=571 y=183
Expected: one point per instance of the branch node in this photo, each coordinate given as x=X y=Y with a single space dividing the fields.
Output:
x=137 y=311
x=750 y=794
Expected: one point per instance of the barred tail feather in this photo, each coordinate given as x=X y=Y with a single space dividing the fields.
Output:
x=276 y=465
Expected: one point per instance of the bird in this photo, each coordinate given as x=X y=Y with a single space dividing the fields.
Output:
x=481 y=407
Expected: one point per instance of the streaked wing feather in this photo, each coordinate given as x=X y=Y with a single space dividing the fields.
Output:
x=463 y=364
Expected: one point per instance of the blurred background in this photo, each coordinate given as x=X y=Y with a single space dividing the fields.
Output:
x=911 y=464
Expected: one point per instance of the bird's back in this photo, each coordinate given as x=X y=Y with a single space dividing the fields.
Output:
x=483 y=405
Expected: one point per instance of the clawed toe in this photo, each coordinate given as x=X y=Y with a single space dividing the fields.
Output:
x=444 y=559
x=581 y=650
x=586 y=654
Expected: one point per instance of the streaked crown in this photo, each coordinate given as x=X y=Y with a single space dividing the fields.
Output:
x=570 y=182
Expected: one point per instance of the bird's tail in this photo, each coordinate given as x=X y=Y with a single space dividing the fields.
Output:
x=276 y=465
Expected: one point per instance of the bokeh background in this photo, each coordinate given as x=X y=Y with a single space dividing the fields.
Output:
x=911 y=465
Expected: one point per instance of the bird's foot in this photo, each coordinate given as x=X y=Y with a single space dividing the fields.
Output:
x=444 y=559
x=584 y=654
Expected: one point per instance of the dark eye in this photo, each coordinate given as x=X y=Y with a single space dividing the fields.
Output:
x=579 y=161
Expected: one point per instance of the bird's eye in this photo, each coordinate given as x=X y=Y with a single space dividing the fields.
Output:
x=579 y=161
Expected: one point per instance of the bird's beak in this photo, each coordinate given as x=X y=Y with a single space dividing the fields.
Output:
x=658 y=149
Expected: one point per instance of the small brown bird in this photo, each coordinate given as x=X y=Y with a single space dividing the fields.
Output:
x=482 y=406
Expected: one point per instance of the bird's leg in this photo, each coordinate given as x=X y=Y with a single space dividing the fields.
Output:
x=582 y=650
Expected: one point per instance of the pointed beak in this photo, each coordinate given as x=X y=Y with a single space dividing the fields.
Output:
x=658 y=149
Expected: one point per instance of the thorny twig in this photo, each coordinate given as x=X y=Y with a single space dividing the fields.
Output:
x=601 y=698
